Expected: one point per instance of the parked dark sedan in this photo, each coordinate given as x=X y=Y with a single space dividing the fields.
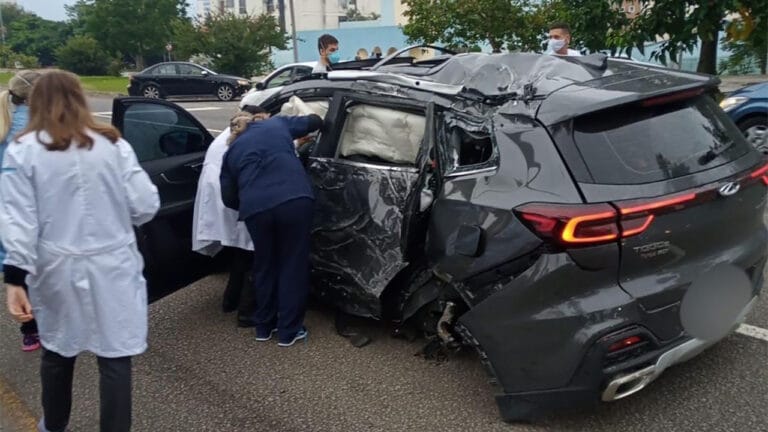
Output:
x=583 y=223
x=185 y=79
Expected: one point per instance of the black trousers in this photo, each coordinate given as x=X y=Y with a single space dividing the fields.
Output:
x=56 y=373
x=281 y=239
x=235 y=296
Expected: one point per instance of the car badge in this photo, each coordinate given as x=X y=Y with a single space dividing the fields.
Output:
x=729 y=189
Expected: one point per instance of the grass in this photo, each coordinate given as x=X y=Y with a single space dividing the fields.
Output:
x=104 y=84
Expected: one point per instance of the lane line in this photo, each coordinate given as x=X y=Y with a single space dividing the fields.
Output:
x=208 y=108
x=752 y=331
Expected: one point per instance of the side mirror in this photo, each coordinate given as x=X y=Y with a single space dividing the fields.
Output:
x=260 y=86
x=176 y=143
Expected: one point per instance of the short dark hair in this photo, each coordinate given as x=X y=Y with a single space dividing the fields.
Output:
x=561 y=26
x=325 y=40
x=253 y=109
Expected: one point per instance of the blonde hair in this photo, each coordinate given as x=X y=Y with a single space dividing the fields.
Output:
x=57 y=106
x=240 y=122
x=19 y=89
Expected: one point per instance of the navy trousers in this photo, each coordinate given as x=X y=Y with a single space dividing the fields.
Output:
x=281 y=241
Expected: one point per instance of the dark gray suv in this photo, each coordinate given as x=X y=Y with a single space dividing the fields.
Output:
x=584 y=223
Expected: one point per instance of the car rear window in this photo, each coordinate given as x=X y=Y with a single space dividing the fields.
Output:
x=636 y=144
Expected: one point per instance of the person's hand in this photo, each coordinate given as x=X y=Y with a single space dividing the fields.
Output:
x=18 y=303
x=305 y=140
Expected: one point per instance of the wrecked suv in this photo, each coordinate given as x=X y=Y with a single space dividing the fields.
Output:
x=584 y=223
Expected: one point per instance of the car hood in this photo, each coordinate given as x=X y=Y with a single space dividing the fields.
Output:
x=753 y=91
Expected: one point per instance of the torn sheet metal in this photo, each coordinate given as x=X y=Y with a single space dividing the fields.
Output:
x=356 y=236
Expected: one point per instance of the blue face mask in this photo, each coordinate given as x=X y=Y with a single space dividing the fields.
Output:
x=334 y=57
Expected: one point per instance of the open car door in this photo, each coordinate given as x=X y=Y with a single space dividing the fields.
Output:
x=368 y=170
x=170 y=145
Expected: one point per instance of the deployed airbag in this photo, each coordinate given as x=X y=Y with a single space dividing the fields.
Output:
x=384 y=133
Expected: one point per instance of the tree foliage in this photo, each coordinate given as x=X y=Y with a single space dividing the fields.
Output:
x=84 y=56
x=239 y=45
x=37 y=37
x=138 y=27
x=682 y=24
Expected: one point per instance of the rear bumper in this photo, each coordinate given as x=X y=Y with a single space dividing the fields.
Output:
x=544 y=339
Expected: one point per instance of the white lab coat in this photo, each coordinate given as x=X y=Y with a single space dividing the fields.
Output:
x=68 y=220
x=214 y=225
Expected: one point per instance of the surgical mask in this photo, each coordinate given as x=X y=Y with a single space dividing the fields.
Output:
x=334 y=57
x=554 y=45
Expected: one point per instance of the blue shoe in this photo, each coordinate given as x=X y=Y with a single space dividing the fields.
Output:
x=300 y=335
x=263 y=335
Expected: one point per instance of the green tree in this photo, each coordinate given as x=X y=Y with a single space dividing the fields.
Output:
x=83 y=55
x=595 y=24
x=37 y=37
x=354 y=14
x=138 y=27
x=747 y=40
x=239 y=45
x=500 y=23
x=681 y=24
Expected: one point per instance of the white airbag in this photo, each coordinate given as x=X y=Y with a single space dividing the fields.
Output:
x=388 y=134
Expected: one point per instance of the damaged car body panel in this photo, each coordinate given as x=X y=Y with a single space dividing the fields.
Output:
x=465 y=199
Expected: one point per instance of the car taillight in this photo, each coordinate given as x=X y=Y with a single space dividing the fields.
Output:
x=672 y=97
x=761 y=173
x=572 y=224
x=597 y=223
x=625 y=343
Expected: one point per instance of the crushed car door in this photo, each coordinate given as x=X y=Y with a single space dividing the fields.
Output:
x=366 y=170
x=170 y=145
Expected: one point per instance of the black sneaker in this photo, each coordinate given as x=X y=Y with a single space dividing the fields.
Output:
x=300 y=335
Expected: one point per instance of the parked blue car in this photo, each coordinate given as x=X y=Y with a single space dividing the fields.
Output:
x=748 y=107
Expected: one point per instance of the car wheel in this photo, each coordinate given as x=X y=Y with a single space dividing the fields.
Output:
x=755 y=130
x=151 y=92
x=225 y=92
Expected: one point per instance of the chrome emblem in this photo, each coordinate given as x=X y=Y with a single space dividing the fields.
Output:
x=729 y=189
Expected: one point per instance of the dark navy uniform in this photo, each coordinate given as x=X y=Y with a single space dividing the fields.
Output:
x=264 y=180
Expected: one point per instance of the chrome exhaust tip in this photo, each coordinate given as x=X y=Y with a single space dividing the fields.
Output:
x=626 y=385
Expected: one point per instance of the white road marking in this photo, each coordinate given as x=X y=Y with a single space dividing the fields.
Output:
x=107 y=114
x=208 y=108
x=215 y=131
x=752 y=331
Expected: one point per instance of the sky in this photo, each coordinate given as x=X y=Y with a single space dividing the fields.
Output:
x=54 y=9
x=48 y=9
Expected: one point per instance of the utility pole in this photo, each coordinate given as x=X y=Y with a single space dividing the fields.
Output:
x=293 y=33
x=281 y=13
x=2 y=24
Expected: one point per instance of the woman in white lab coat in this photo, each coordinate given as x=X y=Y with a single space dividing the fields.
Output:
x=71 y=191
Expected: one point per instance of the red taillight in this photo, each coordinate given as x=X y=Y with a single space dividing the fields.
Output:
x=761 y=173
x=597 y=223
x=674 y=97
x=572 y=224
x=625 y=343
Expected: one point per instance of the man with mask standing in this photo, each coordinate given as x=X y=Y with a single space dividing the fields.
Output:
x=560 y=40
x=328 y=46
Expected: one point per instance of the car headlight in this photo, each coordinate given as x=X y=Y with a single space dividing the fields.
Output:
x=243 y=82
x=732 y=102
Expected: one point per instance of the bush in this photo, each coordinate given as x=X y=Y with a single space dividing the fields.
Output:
x=115 y=67
x=83 y=56
x=11 y=59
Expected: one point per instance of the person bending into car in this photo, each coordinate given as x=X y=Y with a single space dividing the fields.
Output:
x=263 y=178
x=71 y=191
x=216 y=227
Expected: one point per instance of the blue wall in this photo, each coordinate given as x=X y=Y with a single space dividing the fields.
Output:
x=350 y=40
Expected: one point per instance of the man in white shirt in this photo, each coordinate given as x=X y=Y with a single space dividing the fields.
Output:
x=560 y=40
x=328 y=46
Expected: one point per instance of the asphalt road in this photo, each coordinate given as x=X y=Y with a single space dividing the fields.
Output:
x=202 y=373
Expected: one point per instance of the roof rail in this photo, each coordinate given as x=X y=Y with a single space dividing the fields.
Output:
x=394 y=55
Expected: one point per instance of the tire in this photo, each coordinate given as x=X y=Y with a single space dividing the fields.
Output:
x=151 y=91
x=755 y=130
x=225 y=92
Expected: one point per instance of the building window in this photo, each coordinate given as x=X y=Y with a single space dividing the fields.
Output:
x=269 y=6
x=230 y=4
x=243 y=9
